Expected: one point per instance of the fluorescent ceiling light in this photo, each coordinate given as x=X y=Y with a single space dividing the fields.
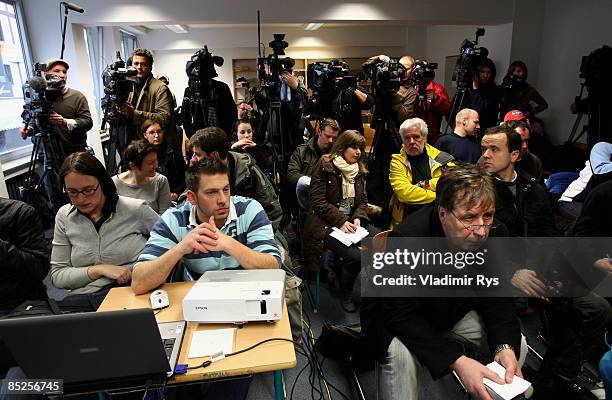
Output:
x=313 y=26
x=178 y=28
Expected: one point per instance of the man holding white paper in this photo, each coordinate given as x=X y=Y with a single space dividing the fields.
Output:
x=410 y=333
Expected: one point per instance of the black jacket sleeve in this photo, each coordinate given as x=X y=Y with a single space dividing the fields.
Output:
x=25 y=254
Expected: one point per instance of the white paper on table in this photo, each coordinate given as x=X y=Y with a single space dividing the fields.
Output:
x=206 y=343
x=509 y=390
x=349 y=238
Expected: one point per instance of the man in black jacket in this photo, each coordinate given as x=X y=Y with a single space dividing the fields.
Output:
x=523 y=206
x=24 y=254
x=410 y=332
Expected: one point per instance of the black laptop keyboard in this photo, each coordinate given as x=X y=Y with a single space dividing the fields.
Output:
x=168 y=346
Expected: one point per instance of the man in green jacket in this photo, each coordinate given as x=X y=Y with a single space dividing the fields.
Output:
x=306 y=156
x=151 y=99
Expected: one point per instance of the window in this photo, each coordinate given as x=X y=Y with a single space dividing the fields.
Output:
x=13 y=56
x=129 y=42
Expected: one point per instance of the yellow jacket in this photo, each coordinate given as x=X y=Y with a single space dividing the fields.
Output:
x=404 y=191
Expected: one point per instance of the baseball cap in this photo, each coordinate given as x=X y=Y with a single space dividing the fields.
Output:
x=514 y=115
x=52 y=61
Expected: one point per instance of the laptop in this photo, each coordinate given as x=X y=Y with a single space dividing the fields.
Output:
x=94 y=351
x=172 y=338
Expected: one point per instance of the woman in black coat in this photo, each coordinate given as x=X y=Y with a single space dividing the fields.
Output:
x=338 y=199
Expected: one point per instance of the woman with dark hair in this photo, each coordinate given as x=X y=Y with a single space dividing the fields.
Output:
x=483 y=96
x=170 y=162
x=518 y=94
x=261 y=153
x=99 y=235
x=141 y=181
x=338 y=199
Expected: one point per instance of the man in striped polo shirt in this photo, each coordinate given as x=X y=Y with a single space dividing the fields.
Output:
x=210 y=231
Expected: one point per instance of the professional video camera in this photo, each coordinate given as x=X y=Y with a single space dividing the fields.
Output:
x=423 y=73
x=329 y=76
x=117 y=87
x=201 y=68
x=470 y=57
x=270 y=68
x=512 y=82
x=327 y=79
x=40 y=93
x=386 y=76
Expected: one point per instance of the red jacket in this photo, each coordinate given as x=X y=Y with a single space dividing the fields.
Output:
x=436 y=110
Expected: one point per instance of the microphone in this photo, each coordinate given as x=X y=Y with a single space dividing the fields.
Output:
x=73 y=7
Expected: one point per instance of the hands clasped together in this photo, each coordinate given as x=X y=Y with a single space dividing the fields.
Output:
x=204 y=238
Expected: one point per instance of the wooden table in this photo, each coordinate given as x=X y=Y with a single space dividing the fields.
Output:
x=271 y=356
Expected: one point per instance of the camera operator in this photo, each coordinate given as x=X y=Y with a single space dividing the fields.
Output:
x=71 y=120
x=207 y=102
x=435 y=106
x=150 y=99
x=518 y=94
x=392 y=107
x=483 y=96
x=346 y=99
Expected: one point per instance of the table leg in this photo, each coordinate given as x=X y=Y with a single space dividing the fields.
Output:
x=279 y=386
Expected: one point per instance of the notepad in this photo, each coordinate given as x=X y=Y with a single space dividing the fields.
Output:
x=349 y=239
x=206 y=343
x=509 y=390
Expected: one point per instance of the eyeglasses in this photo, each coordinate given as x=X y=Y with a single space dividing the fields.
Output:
x=73 y=194
x=154 y=133
x=473 y=227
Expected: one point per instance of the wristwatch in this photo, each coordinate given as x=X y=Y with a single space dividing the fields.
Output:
x=503 y=346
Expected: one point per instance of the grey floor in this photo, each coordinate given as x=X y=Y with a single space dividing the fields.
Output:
x=338 y=374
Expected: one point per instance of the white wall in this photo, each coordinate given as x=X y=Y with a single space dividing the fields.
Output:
x=571 y=30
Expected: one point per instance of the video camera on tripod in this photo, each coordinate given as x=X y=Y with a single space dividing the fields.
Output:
x=201 y=68
x=470 y=57
x=199 y=100
x=117 y=89
x=271 y=68
x=39 y=94
x=386 y=76
x=423 y=72
x=326 y=79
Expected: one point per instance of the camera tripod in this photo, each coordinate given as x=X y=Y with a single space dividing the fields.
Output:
x=272 y=124
x=117 y=137
x=456 y=105
x=201 y=110
x=52 y=153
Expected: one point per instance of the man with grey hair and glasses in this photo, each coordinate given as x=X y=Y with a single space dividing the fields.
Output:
x=409 y=333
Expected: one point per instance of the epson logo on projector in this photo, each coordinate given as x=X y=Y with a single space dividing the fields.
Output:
x=201 y=308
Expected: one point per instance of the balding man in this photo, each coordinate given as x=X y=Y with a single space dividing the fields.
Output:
x=461 y=143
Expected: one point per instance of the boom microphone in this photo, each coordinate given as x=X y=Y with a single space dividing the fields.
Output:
x=73 y=7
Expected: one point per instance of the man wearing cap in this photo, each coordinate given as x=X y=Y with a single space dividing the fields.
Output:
x=71 y=120
x=151 y=99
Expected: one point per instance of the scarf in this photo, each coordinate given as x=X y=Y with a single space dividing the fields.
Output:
x=349 y=172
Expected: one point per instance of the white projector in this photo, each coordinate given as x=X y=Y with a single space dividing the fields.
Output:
x=236 y=296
